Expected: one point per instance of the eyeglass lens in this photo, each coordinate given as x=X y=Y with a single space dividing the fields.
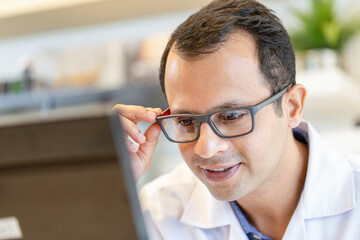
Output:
x=228 y=123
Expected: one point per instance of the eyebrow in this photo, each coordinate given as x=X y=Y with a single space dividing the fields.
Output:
x=230 y=104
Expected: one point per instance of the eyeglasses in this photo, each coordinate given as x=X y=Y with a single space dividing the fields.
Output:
x=226 y=123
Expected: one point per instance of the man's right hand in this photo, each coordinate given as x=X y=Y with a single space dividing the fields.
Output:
x=140 y=155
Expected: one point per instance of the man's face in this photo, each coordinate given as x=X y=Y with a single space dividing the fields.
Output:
x=230 y=77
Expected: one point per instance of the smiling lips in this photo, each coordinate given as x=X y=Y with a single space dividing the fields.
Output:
x=220 y=174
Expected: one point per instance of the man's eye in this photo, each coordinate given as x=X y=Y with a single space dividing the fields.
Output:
x=231 y=116
x=186 y=122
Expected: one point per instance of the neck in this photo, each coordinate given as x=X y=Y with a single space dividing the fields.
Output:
x=269 y=208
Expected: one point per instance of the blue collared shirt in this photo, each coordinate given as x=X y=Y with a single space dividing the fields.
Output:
x=251 y=231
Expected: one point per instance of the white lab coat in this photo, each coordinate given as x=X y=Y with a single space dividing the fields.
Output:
x=179 y=206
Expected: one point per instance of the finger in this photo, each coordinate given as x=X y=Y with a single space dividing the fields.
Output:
x=157 y=111
x=131 y=147
x=136 y=113
x=132 y=130
x=146 y=150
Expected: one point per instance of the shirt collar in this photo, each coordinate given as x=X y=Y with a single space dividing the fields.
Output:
x=329 y=184
x=204 y=211
x=249 y=229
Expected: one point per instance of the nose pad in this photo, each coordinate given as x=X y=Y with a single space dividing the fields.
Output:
x=209 y=144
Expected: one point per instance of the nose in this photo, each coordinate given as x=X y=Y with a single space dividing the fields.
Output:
x=209 y=144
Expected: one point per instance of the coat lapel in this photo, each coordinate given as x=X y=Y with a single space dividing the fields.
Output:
x=204 y=211
x=329 y=185
x=328 y=189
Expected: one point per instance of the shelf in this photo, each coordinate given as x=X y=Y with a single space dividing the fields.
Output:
x=44 y=101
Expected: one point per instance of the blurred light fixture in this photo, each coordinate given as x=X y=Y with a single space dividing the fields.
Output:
x=10 y=8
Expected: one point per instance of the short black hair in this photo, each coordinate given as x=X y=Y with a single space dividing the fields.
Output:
x=205 y=31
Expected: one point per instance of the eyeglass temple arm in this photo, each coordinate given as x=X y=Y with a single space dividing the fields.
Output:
x=271 y=99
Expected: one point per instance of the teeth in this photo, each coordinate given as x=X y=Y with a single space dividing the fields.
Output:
x=219 y=170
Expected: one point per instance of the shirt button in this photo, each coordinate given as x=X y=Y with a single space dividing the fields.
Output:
x=257 y=237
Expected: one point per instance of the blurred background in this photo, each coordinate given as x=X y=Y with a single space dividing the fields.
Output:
x=77 y=54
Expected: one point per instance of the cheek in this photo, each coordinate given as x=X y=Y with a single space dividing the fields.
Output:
x=268 y=128
x=187 y=151
x=258 y=158
x=263 y=145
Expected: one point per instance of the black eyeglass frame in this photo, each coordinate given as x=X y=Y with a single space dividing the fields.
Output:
x=201 y=118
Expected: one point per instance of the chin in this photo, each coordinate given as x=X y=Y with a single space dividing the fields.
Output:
x=225 y=194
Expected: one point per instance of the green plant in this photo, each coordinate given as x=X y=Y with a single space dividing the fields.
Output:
x=321 y=27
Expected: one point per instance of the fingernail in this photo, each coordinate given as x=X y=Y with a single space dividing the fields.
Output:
x=152 y=114
x=141 y=137
x=134 y=146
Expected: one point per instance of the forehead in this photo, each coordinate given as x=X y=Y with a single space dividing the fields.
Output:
x=230 y=74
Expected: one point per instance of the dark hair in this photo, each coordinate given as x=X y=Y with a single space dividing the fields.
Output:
x=206 y=30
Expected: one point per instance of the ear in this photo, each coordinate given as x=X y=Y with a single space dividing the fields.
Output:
x=294 y=105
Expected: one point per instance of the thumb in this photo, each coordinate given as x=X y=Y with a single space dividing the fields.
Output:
x=146 y=149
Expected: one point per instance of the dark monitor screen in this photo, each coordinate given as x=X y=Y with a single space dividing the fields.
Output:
x=69 y=178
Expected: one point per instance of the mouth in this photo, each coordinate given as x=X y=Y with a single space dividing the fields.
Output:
x=220 y=174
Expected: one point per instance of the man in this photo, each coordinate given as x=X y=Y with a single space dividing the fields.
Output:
x=254 y=170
